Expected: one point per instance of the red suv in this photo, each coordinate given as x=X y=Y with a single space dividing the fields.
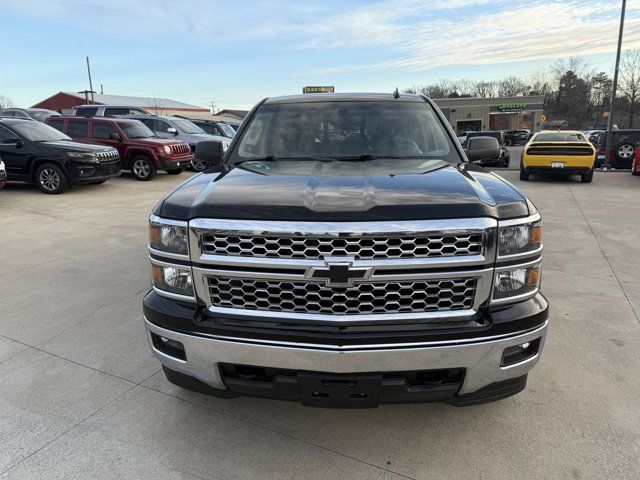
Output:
x=635 y=166
x=140 y=150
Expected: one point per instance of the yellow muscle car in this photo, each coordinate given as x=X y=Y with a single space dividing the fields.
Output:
x=566 y=152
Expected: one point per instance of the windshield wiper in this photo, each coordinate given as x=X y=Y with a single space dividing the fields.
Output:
x=273 y=158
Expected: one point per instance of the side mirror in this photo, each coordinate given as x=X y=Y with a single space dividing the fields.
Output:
x=12 y=141
x=172 y=131
x=482 y=148
x=210 y=152
x=115 y=136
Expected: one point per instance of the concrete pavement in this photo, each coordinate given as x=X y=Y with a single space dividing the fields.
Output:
x=82 y=397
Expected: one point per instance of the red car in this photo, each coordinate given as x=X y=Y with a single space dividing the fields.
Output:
x=140 y=150
x=635 y=166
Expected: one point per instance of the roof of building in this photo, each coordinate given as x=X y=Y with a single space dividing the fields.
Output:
x=148 y=102
x=239 y=114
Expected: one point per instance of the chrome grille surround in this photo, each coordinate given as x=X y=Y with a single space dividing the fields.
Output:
x=473 y=271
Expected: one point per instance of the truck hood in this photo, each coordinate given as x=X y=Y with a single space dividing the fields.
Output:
x=373 y=190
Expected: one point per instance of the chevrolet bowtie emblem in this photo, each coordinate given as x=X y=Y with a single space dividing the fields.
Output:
x=339 y=271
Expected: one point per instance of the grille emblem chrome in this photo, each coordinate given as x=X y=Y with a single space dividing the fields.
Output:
x=338 y=271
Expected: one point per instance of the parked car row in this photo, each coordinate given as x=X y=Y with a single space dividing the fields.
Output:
x=139 y=149
x=57 y=151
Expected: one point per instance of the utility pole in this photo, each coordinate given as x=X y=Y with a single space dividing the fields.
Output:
x=607 y=154
x=90 y=83
x=101 y=89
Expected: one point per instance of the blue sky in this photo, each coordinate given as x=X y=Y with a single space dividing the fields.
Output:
x=235 y=53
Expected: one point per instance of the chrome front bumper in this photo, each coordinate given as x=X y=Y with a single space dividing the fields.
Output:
x=480 y=357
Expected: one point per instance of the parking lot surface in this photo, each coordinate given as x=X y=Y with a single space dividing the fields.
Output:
x=82 y=397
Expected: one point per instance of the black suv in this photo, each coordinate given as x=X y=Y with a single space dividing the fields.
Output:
x=35 y=152
x=502 y=159
x=623 y=147
x=516 y=137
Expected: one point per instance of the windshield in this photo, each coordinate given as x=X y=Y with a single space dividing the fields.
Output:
x=227 y=130
x=38 y=132
x=560 y=137
x=337 y=130
x=135 y=130
x=42 y=115
x=185 y=126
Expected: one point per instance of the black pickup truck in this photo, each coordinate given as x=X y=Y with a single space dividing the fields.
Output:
x=348 y=255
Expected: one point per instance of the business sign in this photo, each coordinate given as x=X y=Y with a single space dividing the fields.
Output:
x=511 y=107
x=325 y=89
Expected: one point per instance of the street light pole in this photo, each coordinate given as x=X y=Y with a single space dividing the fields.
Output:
x=607 y=153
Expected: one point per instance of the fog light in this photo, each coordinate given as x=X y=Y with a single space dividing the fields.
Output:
x=173 y=348
x=86 y=172
x=520 y=353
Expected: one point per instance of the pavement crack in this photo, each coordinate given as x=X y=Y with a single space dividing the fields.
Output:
x=615 y=275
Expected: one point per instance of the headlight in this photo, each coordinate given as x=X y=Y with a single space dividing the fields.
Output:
x=172 y=279
x=167 y=149
x=519 y=238
x=168 y=237
x=81 y=155
x=516 y=282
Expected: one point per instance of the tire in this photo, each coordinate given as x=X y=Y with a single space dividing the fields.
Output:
x=524 y=175
x=176 y=171
x=624 y=152
x=634 y=167
x=143 y=168
x=587 y=177
x=52 y=179
x=198 y=165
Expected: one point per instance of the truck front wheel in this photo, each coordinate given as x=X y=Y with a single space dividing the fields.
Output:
x=143 y=168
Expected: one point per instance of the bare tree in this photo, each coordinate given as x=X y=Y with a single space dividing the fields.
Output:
x=512 y=87
x=158 y=106
x=462 y=88
x=630 y=82
x=5 y=102
x=485 y=89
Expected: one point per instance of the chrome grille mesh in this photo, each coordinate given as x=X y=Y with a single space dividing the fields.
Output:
x=361 y=298
x=360 y=248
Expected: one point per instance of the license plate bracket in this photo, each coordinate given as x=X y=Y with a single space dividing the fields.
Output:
x=339 y=391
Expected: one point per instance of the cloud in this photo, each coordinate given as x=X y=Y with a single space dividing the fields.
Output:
x=505 y=32
x=411 y=35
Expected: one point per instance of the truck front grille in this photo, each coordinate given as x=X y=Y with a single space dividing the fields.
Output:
x=360 y=248
x=360 y=299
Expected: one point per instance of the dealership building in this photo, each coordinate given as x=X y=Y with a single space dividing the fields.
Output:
x=65 y=101
x=497 y=113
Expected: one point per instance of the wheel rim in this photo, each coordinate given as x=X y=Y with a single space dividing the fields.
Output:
x=625 y=151
x=50 y=179
x=199 y=165
x=141 y=168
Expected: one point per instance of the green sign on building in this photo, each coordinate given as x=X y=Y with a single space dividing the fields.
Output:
x=511 y=107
